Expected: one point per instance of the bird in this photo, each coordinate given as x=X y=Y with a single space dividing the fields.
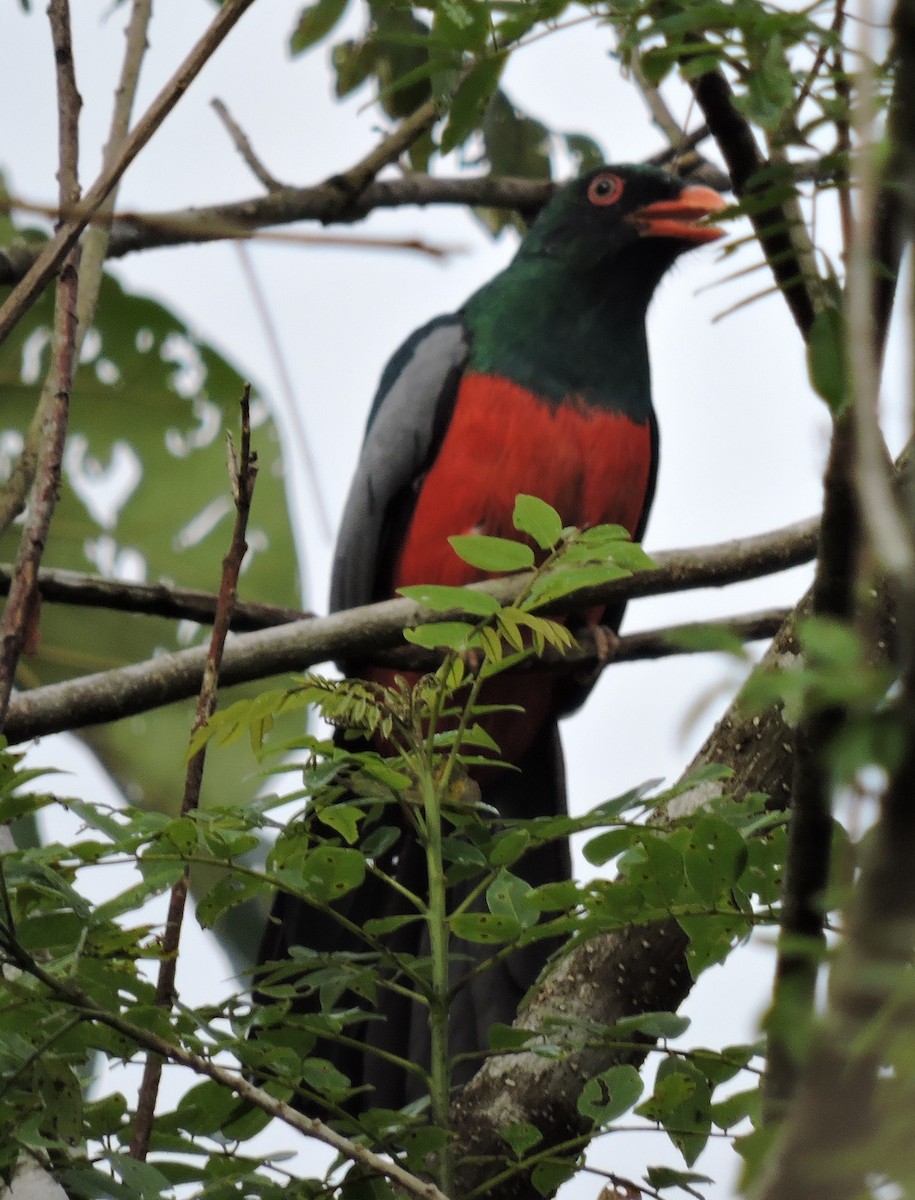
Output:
x=538 y=384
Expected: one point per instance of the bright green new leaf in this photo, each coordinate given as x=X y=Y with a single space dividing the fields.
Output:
x=540 y=520
x=448 y=635
x=440 y=598
x=495 y=554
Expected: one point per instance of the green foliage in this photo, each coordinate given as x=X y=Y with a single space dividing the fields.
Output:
x=145 y=496
x=349 y=805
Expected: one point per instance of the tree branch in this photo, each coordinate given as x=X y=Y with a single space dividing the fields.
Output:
x=775 y=225
x=364 y=632
x=20 y=612
x=336 y=201
x=243 y=472
x=54 y=252
x=56 y=585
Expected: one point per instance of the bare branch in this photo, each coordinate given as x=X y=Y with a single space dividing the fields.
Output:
x=329 y=203
x=243 y=472
x=53 y=254
x=243 y=145
x=20 y=612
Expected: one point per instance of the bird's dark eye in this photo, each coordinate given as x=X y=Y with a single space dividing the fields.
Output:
x=605 y=188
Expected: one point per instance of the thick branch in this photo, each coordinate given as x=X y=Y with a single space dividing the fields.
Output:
x=610 y=977
x=110 y=695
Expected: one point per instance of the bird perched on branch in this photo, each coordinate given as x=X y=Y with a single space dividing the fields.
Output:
x=539 y=384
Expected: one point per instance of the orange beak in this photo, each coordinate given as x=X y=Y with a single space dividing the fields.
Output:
x=677 y=218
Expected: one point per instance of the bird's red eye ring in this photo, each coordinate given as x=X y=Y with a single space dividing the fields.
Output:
x=605 y=188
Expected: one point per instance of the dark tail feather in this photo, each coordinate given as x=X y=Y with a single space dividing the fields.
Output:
x=536 y=789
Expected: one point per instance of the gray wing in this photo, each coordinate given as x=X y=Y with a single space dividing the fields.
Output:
x=408 y=420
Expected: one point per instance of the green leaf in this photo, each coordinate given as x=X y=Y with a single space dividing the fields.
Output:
x=331 y=872
x=610 y=1094
x=565 y=580
x=710 y=939
x=681 y=1102
x=447 y=599
x=324 y=1077
x=585 y=151
x=461 y=25
x=653 y=1025
x=608 y=845
x=314 y=23
x=830 y=642
x=770 y=86
x=521 y=1137
x=827 y=359
x=205 y=1107
x=508 y=896
x=538 y=519
x=708 y=638
x=548 y=1176
x=667 y=1177
x=469 y=104
x=492 y=553
x=737 y=1108
x=447 y=635
x=343 y=819
x=714 y=858
x=485 y=928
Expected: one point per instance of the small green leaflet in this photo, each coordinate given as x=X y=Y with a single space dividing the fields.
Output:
x=538 y=519
x=451 y=599
x=492 y=553
x=450 y=635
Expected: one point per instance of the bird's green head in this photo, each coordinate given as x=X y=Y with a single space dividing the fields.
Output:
x=617 y=215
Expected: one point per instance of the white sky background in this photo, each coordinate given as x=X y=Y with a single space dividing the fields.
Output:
x=742 y=438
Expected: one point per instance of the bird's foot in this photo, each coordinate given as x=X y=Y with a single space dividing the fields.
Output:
x=606 y=642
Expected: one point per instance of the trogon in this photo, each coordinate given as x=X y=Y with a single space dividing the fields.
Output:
x=538 y=384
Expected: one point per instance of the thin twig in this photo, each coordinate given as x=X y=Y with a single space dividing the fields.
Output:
x=243 y=472
x=53 y=254
x=20 y=615
x=243 y=145
x=95 y=243
x=367 y=631
x=305 y=458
